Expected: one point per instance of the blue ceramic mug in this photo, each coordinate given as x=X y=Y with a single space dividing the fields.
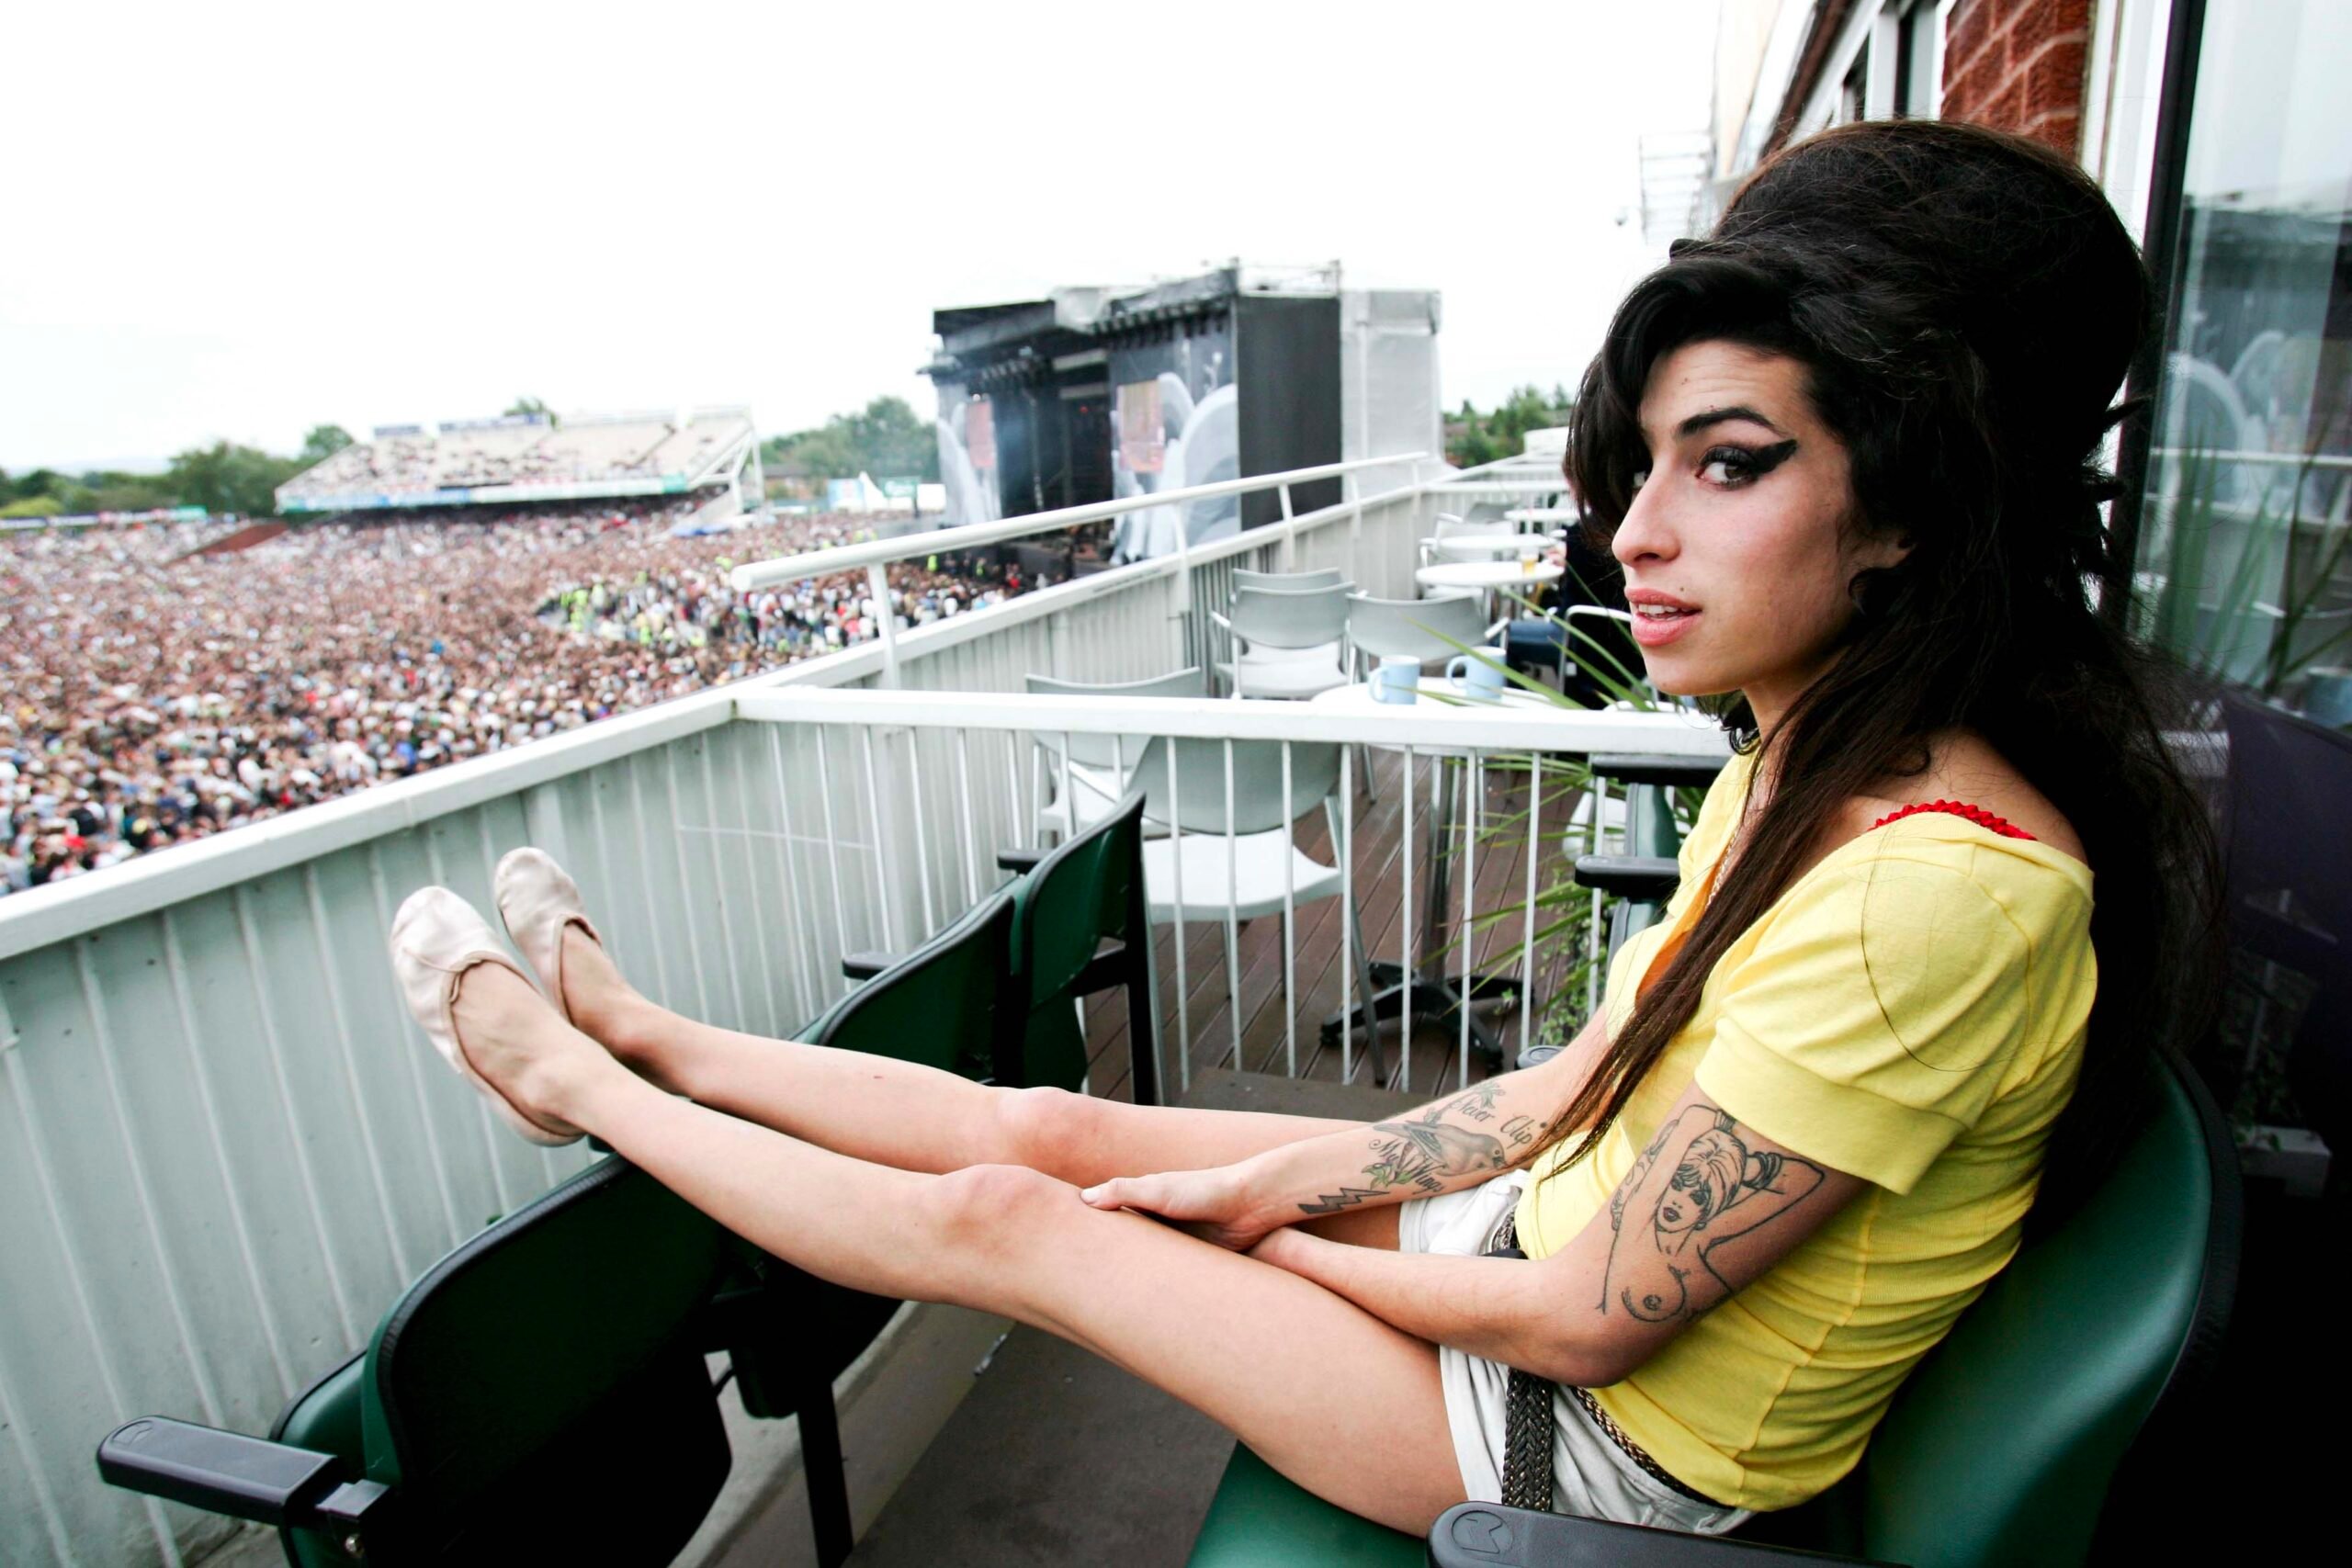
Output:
x=1475 y=678
x=1397 y=679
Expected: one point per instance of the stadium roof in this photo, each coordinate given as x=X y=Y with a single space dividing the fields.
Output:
x=525 y=457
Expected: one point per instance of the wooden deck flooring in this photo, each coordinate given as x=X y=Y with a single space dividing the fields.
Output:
x=1211 y=1001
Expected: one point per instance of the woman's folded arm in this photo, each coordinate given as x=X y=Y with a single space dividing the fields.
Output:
x=1455 y=1142
x=1709 y=1206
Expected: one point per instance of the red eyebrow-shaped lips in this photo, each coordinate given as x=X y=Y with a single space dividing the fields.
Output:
x=1652 y=596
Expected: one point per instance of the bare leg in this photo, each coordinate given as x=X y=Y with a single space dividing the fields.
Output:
x=918 y=1118
x=1343 y=1404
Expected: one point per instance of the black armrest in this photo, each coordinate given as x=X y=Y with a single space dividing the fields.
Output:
x=1650 y=877
x=1634 y=768
x=865 y=966
x=1106 y=969
x=1488 y=1535
x=228 y=1472
x=738 y=1312
x=1021 y=861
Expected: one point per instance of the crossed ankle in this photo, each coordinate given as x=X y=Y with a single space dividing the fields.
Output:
x=559 y=1088
x=631 y=1030
x=612 y=1024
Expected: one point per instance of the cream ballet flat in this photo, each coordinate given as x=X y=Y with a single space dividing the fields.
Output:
x=537 y=898
x=436 y=937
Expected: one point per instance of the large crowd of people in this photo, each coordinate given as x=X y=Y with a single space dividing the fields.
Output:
x=150 y=697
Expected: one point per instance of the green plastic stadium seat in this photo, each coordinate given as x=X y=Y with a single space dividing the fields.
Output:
x=951 y=1004
x=1259 y=1521
x=520 y=1373
x=2004 y=1446
x=944 y=1005
x=1081 y=927
x=560 y=1353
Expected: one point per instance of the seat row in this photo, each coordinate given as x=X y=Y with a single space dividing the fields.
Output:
x=559 y=1355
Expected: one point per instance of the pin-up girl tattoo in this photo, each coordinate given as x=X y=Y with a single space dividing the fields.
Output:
x=1694 y=1189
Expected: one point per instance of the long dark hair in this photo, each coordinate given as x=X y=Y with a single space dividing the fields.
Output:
x=1965 y=304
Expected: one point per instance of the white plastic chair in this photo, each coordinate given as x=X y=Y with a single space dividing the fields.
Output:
x=1101 y=767
x=1287 y=583
x=1193 y=803
x=1576 y=646
x=1432 y=630
x=1231 y=853
x=1448 y=524
x=1264 y=619
x=1324 y=577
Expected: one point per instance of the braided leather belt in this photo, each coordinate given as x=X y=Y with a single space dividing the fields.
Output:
x=1527 y=1421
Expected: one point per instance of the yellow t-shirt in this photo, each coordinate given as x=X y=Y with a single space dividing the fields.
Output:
x=1911 y=1011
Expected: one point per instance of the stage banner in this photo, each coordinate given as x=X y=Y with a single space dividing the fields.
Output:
x=1143 y=438
x=980 y=435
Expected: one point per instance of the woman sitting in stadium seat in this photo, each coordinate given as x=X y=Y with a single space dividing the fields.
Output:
x=1842 y=450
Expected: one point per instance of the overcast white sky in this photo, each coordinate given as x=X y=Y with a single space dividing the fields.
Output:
x=241 y=220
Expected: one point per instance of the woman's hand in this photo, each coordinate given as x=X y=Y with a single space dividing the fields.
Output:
x=1285 y=1246
x=1213 y=1204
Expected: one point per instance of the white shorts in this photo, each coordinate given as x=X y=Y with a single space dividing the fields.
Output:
x=1591 y=1475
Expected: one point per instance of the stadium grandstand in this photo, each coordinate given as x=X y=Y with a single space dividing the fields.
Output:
x=530 y=458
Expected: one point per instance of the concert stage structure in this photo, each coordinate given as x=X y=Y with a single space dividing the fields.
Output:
x=1100 y=392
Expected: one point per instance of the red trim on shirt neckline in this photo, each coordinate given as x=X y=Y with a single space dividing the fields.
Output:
x=1975 y=814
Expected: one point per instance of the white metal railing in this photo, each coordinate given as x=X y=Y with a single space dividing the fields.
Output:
x=223 y=1150
x=1126 y=623
x=935 y=814
x=972 y=536
x=876 y=555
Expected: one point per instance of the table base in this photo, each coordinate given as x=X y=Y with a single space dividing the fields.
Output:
x=1436 y=998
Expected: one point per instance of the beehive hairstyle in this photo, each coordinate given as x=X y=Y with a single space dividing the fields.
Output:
x=1965 y=305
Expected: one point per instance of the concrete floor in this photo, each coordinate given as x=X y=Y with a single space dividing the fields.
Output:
x=1055 y=1458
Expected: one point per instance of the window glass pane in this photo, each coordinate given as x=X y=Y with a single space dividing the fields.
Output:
x=2243 y=563
x=1923 y=29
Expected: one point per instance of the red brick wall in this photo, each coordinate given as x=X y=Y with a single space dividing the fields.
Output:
x=2020 y=66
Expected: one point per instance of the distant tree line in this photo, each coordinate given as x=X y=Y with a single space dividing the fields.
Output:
x=1471 y=438
x=221 y=478
x=886 y=439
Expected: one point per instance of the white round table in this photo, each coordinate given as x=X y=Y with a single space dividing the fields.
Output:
x=1470 y=547
x=1500 y=488
x=1356 y=697
x=1436 y=692
x=1529 y=573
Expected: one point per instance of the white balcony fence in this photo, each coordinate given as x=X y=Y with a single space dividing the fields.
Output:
x=916 y=791
x=223 y=1150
